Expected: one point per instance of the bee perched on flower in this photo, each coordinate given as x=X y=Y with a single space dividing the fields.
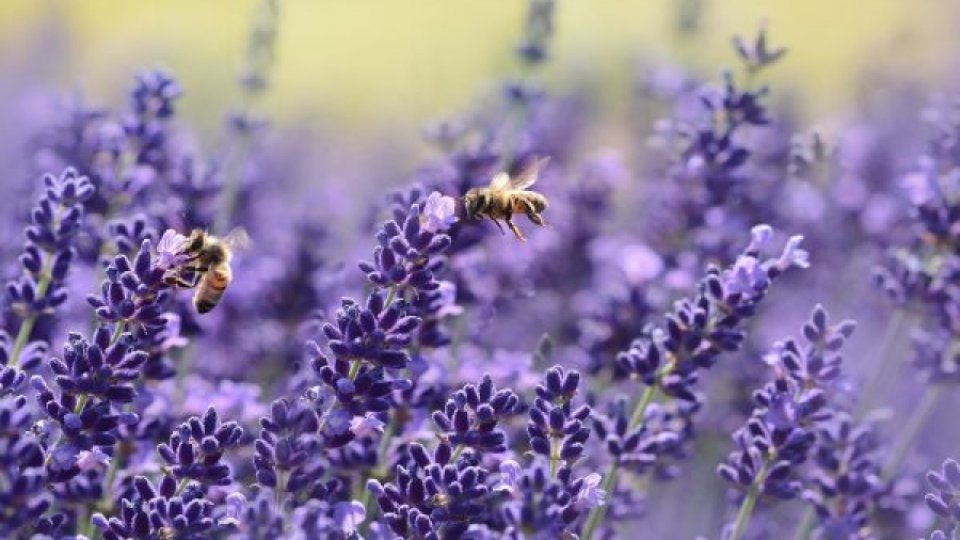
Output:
x=206 y=257
x=507 y=195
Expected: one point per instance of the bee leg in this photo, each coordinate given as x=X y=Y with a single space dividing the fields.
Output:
x=515 y=229
x=173 y=279
x=497 y=223
x=532 y=214
x=188 y=284
x=176 y=280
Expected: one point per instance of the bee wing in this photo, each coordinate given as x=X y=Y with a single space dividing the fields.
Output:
x=237 y=239
x=528 y=176
x=500 y=181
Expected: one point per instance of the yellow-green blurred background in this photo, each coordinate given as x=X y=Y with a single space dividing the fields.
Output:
x=360 y=65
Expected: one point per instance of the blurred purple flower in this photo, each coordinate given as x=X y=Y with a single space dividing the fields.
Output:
x=349 y=516
x=171 y=250
x=439 y=213
x=793 y=255
x=510 y=475
x=92 y=459
x=366 y=425
x=590 y=494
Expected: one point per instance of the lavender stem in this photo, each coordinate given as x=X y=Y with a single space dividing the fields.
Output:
x=746 y=508
x=597 y=514
x=915 y=424
x=886 y=353
x=26 y=328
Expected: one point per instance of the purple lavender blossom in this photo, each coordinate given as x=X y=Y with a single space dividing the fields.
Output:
x=470 y=416
x=196 y=448
x=439 y=213
x=45 y=261
x=571 y=387
x=781 y=432
x=160 y=511
x=944 y=497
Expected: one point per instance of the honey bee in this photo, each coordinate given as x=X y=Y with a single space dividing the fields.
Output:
x=209 y=265
x=508 y=195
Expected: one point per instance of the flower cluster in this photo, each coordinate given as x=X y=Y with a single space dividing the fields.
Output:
x=196 y=448
x=549 y=505
x=94 y=378
x=24 y=500
x=944 y=497
x=701 y=328
x=715 y=163
x=557 y=430
x=47 y=254
x=789 y=410
x=162 y=511
x=469 y=418
x=402 y=260
x=467 y=385
x=287 y=451
x=922 y=274
x=846 y=481
x=435 y=497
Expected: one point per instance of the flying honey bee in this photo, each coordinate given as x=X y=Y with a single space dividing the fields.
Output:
x=508 y=195
x=209 y=265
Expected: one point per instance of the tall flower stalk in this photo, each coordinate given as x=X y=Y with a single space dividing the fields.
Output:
x=697 y=333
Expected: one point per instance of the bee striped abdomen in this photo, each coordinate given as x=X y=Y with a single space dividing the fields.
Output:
x=211 y=289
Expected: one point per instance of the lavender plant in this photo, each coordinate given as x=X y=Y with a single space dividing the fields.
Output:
x=462 y=384
x=782 y=430
x=697 y=332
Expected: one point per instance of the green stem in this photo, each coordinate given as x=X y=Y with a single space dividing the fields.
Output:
x=887 y=350
x=354 y=369
x=181 y=486
x=912 y=429
x=459 y=332
x=352 y=374
x=88 y=529
x=366 y=497
x=598 y=513
x=81 y=403
x=391 y=296
x=805 y=527
x=278 y=492
x=641 y=409
x=554 y=456
x=749 y=502
x=609 y=479
x=456 y=453
x=26 y=327
x=231 y=187
x=53 y=447
x=118 y=331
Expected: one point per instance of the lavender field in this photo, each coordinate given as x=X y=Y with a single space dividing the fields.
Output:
x=719 y=310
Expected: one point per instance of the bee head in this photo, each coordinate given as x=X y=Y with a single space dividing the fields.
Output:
x=474 y=202
x=198 y=238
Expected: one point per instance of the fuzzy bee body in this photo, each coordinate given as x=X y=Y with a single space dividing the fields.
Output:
x=507 y=196
x=212 y=286
x=210 y=262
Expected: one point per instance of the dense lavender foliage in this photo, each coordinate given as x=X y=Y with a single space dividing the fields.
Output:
x=627 y=371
